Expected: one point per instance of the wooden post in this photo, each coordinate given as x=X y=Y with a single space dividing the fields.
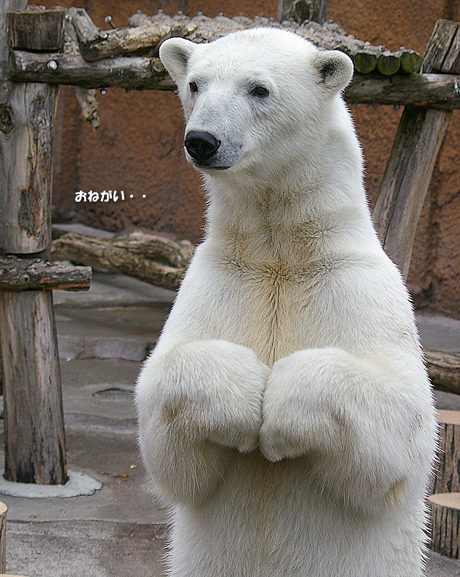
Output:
x=34 y=425
x=3 y=511
x=301 y=10
x=415 y=149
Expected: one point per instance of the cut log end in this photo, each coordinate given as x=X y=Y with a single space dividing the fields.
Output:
x=445 y=527
x=447 y=479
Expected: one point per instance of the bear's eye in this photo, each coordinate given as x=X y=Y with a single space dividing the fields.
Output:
x=260 y=92
x=193 y=87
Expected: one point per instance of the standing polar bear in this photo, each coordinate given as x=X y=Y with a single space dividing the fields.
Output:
x=285 y=413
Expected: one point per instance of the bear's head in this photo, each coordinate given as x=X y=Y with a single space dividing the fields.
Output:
x=256 y=100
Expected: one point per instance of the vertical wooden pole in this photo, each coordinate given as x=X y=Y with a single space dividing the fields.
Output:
x=3 y=511
x=34 y=424
x=301 y=10
x=412 y=158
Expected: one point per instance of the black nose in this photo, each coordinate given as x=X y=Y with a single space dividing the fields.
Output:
x=201 y=145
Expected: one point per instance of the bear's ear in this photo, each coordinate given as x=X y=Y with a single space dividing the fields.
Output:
x=175 y=54
x=335 y=69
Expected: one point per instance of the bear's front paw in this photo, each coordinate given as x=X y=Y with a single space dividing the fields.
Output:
x=288 y=412
x=213 y=390
x=276 y=443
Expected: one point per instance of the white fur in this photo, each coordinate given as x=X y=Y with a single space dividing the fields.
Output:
x=285 y=413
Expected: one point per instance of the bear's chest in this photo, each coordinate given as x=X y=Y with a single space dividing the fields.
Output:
x=271 y=305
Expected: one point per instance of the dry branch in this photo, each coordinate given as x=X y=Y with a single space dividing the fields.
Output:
x=151 y=258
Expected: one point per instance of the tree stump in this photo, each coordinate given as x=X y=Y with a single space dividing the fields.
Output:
x=447 y=477
x=445 y=524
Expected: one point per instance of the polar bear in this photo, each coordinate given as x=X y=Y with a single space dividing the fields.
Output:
x=285 y=414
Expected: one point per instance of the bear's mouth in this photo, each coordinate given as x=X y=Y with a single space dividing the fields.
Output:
x=209 y=167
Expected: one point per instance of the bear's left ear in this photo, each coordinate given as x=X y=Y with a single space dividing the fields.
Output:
x=335 y=68
x=175 y=54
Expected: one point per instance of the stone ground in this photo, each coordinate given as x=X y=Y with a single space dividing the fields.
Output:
x=120 y=530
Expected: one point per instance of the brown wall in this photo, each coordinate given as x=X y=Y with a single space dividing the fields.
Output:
x=138 y=147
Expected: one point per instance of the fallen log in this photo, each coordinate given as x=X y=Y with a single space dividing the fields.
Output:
x=155 y=259
x=444 y=370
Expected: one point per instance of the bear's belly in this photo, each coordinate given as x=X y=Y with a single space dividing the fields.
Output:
x=269 y=520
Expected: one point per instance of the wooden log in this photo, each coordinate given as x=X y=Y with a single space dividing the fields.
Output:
x=27 y=112
x=444 y=370
x=87 y=100
x=18 y=274
x=145 y=32
x=153 y=259
x=365 y=61
x=117 y=42
x=85 y=28
x=447 y=474
x=134 y=73
x=41 y=30
x=388 y=64
x=86 y=97
x=439 y=91
x=445 y=524
x=3 y=512
x=410 y=166
x=34 y=425
x=301 y=10
x=411 y=61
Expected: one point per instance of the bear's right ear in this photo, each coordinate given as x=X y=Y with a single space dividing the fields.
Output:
x=175 y=54
x=335 y=69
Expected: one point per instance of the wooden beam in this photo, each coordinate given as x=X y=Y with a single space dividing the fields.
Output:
x=415 y=149
x=440 y=91
x=19 y=274
x=434 y=90
x=136 y=72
